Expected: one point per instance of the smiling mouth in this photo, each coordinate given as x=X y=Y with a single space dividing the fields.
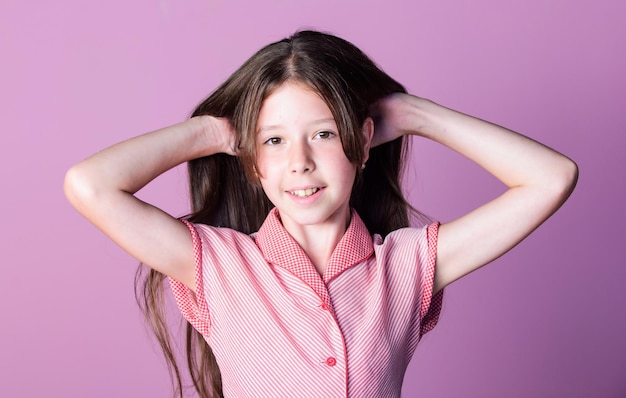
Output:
x=303 y=193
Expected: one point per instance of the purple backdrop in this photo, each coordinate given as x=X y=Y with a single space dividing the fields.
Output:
x=546 y=320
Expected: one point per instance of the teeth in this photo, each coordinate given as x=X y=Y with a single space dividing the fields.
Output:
x=302 y=193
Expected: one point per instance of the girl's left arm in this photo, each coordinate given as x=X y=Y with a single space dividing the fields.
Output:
x=539 y=180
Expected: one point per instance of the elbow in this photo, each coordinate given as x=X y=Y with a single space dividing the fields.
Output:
x=77 y=187
x=570 y=176
x=564 y=179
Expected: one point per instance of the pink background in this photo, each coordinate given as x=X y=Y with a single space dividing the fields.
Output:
x=547 y=320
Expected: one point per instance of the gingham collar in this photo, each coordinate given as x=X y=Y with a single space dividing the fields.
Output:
x=280 y=249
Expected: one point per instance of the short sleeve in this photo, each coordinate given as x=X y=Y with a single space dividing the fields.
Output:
x=430 y=307
x=193 y=306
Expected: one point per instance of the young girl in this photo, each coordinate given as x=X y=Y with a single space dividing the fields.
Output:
x=297 y=267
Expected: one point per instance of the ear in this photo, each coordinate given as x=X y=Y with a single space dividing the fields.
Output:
x=368 y=132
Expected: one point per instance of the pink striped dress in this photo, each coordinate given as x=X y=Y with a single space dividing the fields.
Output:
x=279 y=329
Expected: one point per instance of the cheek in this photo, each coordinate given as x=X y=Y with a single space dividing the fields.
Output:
x=348 y=171
x=260 y=162
x=266 y=165
x=338 y=159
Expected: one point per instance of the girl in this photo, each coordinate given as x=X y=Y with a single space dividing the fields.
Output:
x=297 y=267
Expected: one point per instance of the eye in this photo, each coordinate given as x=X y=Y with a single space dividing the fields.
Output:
x=325 y=134
x=273 y=141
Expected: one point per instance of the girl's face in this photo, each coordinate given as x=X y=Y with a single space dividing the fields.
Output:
x=300 y=159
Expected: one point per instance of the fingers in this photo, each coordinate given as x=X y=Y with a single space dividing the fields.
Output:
x=377 y=111
x=221 y=131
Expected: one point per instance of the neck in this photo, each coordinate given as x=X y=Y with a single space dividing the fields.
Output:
x=319 y=240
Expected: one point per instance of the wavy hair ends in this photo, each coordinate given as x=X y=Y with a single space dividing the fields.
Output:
x=225 y=191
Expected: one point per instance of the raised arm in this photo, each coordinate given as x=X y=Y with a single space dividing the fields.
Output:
x=102 y=189
x=539 y=180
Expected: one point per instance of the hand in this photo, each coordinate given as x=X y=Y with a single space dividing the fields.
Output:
x=395 y=116
x=220 y=135
x=391 y=117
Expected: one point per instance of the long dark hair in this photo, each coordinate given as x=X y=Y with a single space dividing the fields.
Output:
x=224 y=191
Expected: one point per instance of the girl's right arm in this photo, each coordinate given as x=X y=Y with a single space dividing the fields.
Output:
x=102 y=189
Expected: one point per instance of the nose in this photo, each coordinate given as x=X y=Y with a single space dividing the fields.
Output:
x=300 y=157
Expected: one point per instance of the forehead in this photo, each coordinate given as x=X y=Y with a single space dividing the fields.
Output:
x=292 y=103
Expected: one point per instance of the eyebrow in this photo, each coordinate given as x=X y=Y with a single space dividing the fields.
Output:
x=278 y=126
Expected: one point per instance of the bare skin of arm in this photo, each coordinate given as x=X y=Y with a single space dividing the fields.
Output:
x=539 y=180
x=102 y=189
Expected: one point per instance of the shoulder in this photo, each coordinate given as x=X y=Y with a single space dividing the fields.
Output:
x=409 y=237
x=220 y=241
x=408 y=249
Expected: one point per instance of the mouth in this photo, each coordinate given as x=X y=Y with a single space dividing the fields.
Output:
x=303 y=193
